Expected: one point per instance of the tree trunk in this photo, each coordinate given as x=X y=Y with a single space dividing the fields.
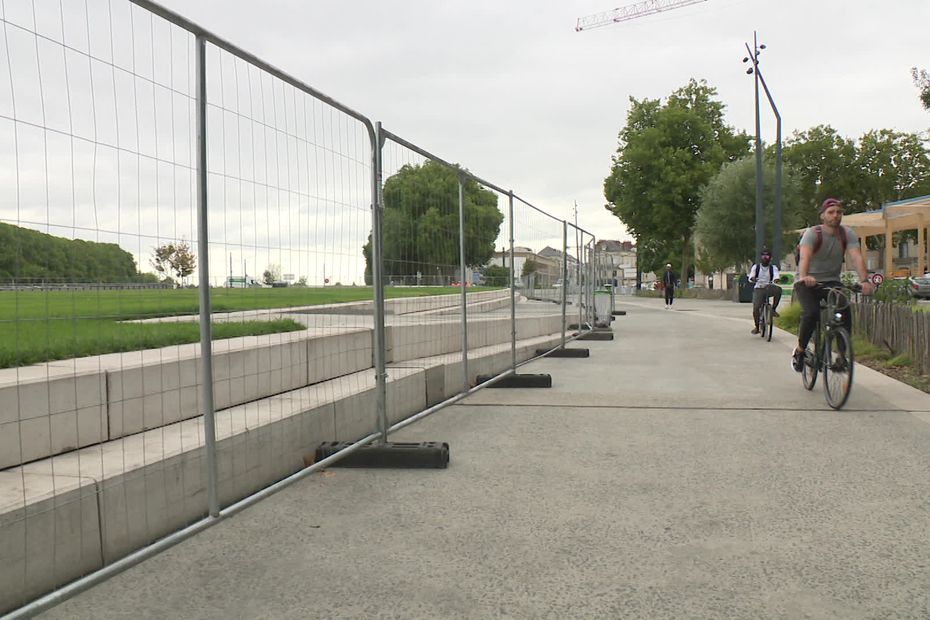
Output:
x=685 y=261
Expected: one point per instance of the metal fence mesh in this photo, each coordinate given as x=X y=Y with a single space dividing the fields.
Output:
x=115 y=429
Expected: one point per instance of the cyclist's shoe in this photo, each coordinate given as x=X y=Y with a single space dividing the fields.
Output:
x=755 y=330
x=775 y=314
x=839 y=365
x=797 y=361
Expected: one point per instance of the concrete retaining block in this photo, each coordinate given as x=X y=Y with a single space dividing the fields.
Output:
x=150 y=484
x=48 y=410
x=49 y=534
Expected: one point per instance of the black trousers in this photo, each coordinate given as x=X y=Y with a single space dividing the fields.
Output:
x=669 y=295
x=810 y=298
x=758 y=298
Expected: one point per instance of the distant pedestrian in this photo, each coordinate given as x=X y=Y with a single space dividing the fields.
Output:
x=668 y=283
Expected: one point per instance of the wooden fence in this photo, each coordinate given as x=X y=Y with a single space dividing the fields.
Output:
x=898 y=327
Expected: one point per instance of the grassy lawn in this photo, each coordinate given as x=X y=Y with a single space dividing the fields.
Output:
x=39 y=326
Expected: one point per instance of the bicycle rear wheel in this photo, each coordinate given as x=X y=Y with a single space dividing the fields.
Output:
x=769 y=321
x=809 y=370
x=838 y=369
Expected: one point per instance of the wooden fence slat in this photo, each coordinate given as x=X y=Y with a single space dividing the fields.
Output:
x=899 y=327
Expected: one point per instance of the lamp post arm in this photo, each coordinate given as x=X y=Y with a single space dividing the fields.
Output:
x=777 y=231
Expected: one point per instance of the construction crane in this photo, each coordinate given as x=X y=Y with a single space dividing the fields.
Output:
x=631 y=11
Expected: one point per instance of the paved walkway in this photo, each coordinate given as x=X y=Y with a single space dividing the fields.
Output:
x=679 y=472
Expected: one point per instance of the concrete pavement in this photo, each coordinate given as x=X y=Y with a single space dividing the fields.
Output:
x=679 y=472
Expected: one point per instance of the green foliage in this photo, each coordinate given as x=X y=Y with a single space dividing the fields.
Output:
x=884 y=166
x=825 y=164
x=495 y=275
x=529 y=266
x=922 y=82
x=43 y=341
x=894 y=291
x=421 y=223
x=174 y=259
x=789 y=317
x=31 y=255
x=725 y=224
x=667 y=153
x=900 y=360
x=894 y=165
x=271 y=274
x=37 y=326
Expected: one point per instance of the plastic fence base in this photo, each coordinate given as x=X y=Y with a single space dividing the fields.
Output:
x=424 y=455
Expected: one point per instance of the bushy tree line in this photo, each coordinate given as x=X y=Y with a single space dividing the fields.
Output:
x=681 y=172
x=421 y=223
x=27 y=254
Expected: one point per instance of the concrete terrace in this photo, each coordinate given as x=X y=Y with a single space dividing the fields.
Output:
x=104 y=455
x=679 y=472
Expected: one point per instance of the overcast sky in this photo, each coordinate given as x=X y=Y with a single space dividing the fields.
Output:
x=97 y=132
x=513 y=92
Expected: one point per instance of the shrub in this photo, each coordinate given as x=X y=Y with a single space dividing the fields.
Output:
x=789 y=317
x=894 y=291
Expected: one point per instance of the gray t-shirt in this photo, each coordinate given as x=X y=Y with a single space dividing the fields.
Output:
x=827 y=263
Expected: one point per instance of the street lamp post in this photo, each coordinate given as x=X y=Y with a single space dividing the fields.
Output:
x=777 y=230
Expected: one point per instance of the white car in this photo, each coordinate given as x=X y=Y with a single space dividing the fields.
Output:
x=920 y=286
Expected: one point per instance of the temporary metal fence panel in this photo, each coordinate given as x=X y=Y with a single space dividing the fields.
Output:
x=539 y=262
x=191 y=271
x=154 y=173
x=98 y=371
x=422 y=253
x=289 y=180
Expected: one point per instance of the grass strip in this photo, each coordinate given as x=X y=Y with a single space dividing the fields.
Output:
x=33 y=342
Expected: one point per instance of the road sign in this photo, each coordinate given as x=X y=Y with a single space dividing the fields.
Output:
x=877 y=279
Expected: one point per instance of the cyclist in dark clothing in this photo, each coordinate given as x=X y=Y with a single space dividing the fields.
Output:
x=668 y=283
x=823 y=249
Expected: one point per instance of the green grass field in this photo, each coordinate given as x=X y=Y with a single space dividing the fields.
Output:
x=38 y=326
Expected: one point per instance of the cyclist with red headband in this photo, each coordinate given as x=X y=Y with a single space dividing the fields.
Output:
x=823 y=248
x=763 y=275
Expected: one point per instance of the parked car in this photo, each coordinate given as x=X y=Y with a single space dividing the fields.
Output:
x=920 y=286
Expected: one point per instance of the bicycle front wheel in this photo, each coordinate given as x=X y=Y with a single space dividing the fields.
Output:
x=838 y=369
x=809 y=370
x=769 y=321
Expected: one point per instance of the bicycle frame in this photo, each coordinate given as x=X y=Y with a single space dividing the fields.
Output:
x=833 y=352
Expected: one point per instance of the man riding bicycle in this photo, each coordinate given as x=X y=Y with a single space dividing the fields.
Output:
x=822 y=249
x=763 y=274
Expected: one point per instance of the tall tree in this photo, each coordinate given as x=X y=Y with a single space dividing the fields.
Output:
x=183 y=262
x=174 y=259
x=922 y=82
x=725 y=227
x=421 y=223
x=825 y=164
x=271 y=274
x=667 y=153
x=894 y=165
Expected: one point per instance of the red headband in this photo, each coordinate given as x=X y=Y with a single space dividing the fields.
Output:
x=830 y=202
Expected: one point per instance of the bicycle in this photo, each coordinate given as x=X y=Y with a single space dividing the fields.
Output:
x=830 y=349
x=766 y=317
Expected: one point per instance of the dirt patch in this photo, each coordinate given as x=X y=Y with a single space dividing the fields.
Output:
x=904 y=374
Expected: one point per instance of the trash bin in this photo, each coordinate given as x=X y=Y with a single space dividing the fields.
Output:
x=745 y=289
x=602 y=314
